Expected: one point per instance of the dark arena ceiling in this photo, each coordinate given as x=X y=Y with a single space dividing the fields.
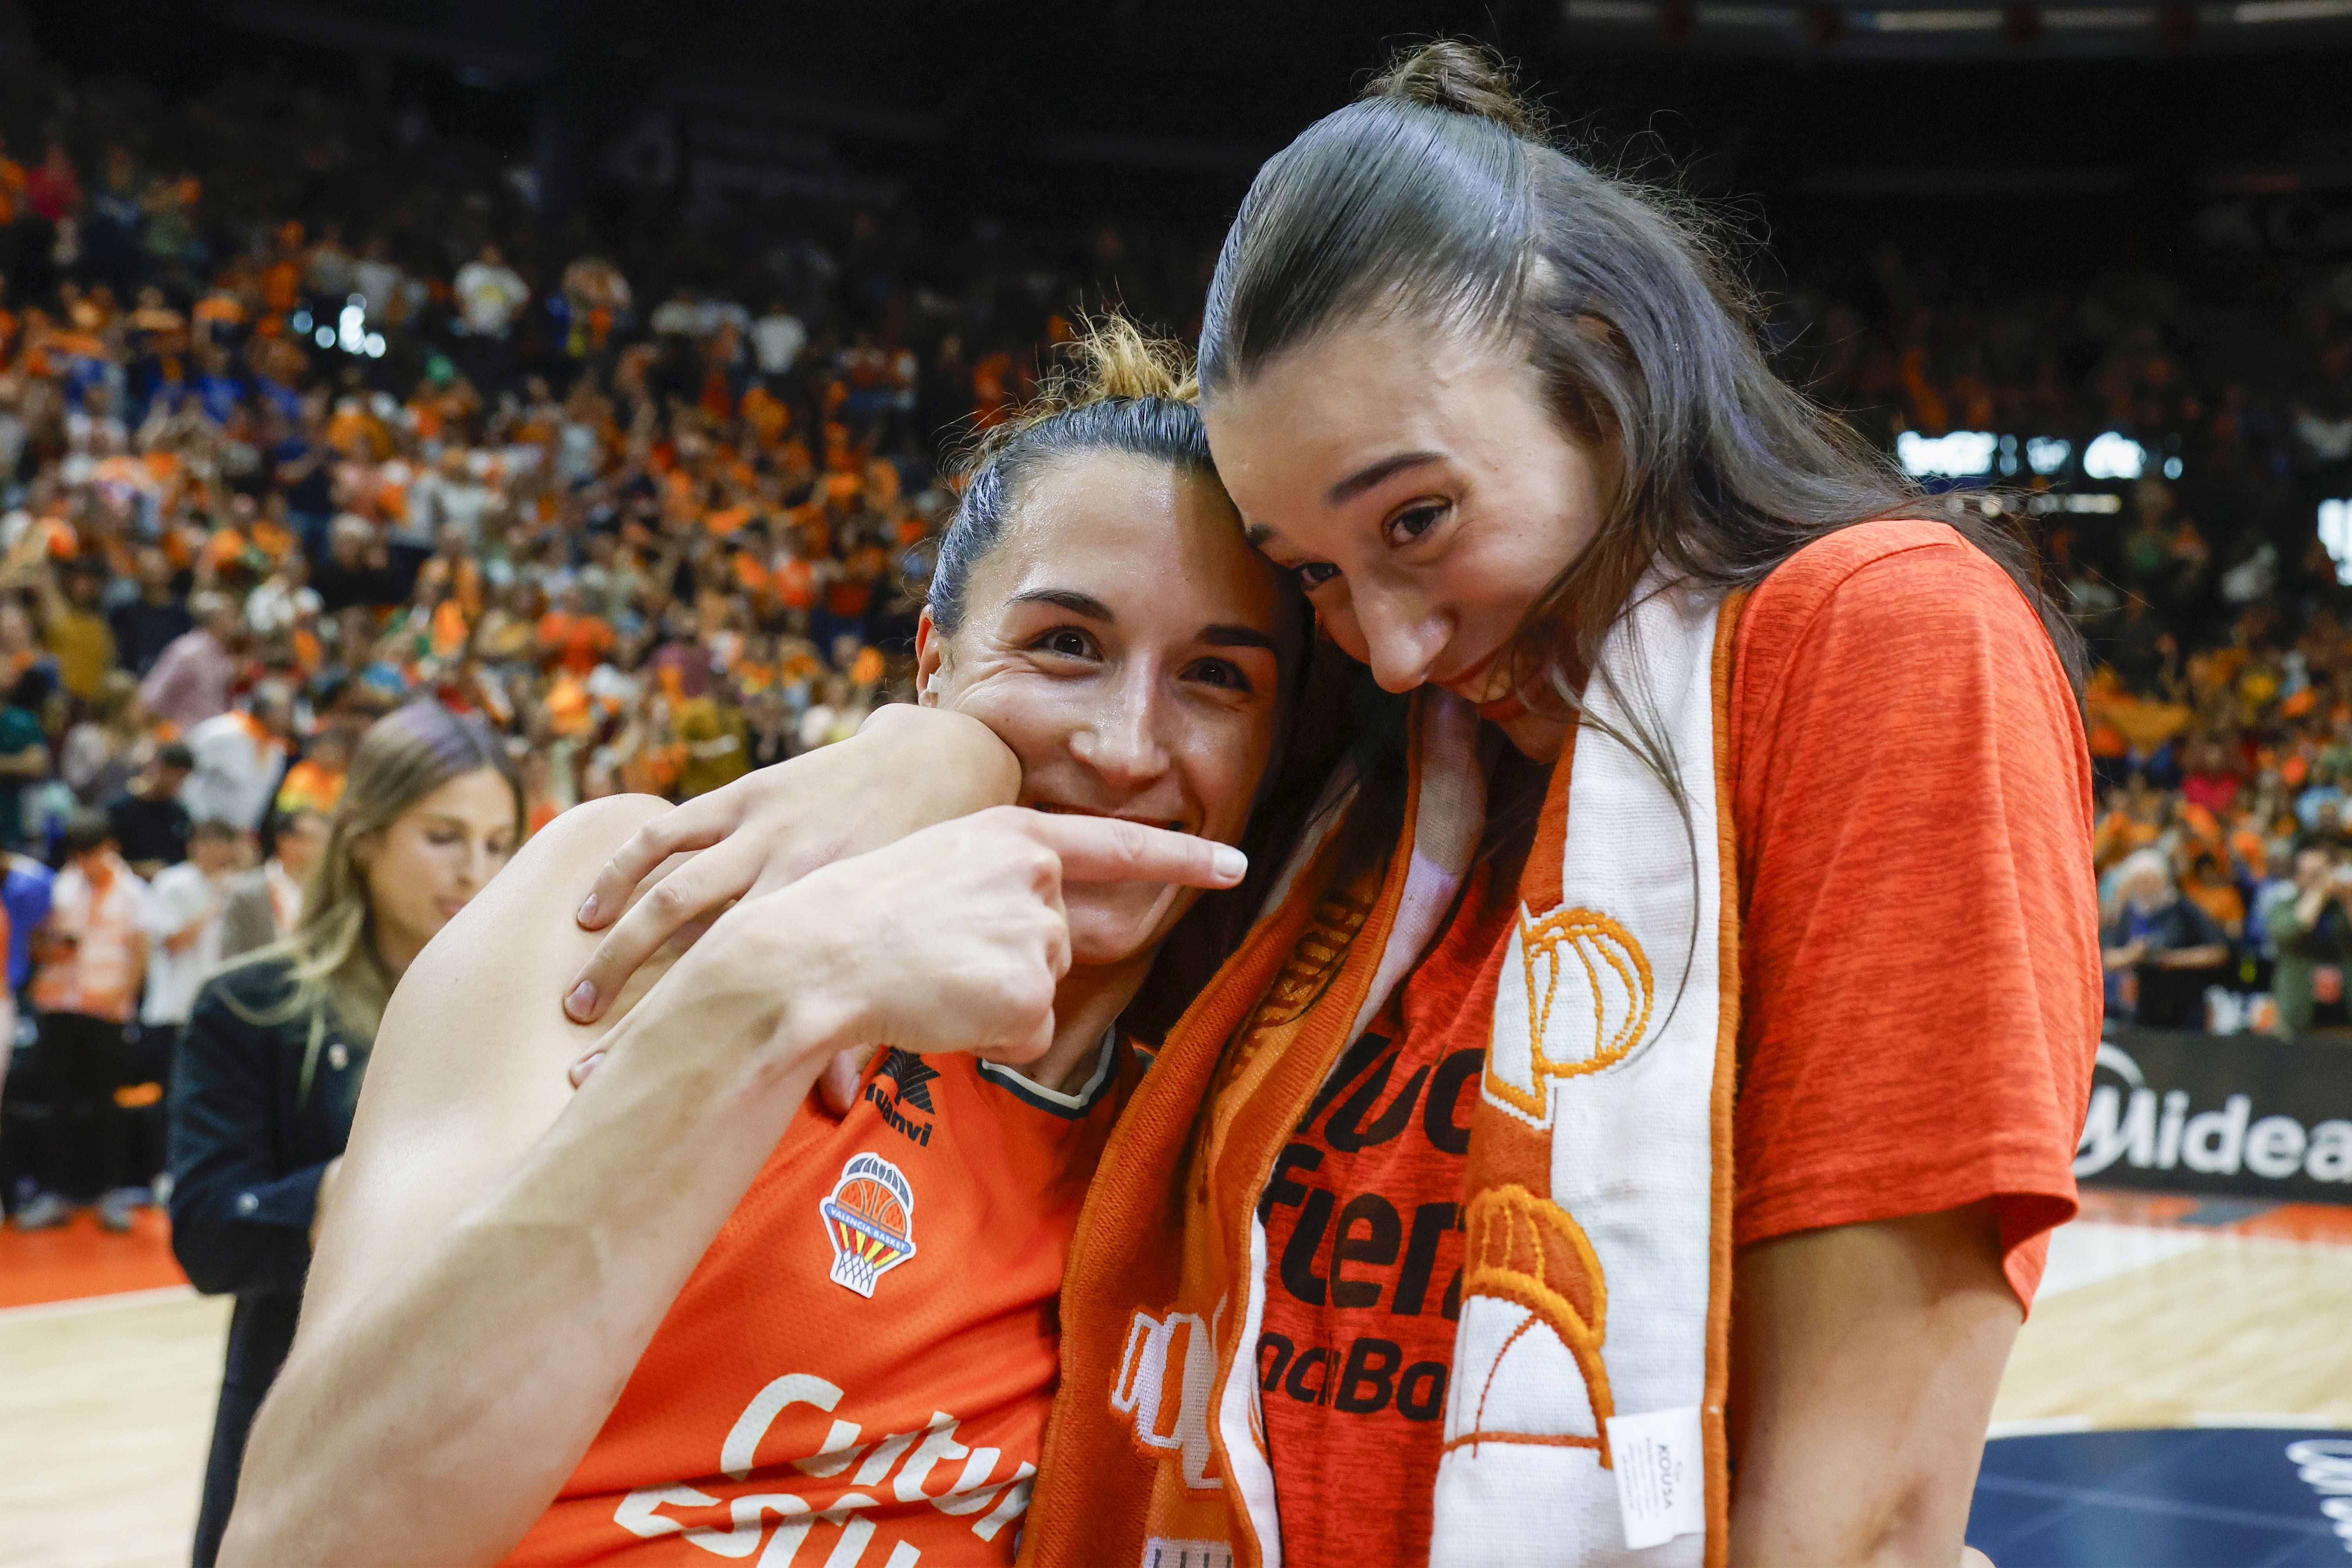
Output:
x=2037 y=129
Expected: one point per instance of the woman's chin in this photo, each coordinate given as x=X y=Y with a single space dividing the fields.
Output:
x=1111 y=923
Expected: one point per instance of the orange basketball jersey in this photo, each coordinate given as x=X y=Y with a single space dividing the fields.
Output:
x=858 y=1371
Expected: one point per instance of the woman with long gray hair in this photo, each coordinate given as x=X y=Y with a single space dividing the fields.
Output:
x=268 y=1072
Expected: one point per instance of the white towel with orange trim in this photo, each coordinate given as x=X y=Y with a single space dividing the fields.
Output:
x=1597 y=1239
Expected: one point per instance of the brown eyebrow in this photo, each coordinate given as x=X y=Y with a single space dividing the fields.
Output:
x=1371 y=474
x=1070 y=599
x=1223 y=636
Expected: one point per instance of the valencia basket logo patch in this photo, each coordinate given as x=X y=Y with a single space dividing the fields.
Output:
x=870 y=1220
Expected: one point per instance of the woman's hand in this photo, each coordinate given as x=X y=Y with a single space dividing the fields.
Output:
x=953 y=939
x=907 y=768
x=836 y=1086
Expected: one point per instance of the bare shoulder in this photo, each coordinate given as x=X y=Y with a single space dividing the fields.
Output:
x=471 y=1065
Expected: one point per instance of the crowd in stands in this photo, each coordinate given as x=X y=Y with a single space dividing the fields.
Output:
x=264 y=478
x=2219 y=713
x=305 y=412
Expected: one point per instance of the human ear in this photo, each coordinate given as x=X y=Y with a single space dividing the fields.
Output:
x=930 y=659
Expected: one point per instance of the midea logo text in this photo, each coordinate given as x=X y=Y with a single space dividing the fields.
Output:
x=2130 y=1124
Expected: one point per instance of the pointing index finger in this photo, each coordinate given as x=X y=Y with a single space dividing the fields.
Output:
x=1107 y=850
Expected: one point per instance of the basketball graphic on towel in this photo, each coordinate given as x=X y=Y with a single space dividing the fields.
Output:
x=870 y=1220
x=1527 y=1249
x=1616 y=985
x=1596 y=970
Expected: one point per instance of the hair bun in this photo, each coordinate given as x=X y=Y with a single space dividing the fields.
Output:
x=1461 y=76
x=1111 y=358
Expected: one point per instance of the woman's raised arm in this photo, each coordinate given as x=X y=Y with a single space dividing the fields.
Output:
x=500 y=1248
x=907 y=768
x=413 y=1320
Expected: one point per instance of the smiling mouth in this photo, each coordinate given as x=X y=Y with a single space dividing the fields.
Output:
x=1468 y=673
x=1059 y=809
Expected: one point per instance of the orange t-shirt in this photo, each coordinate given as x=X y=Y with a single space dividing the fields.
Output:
x=1920 y=1001
x=860 y=1366
x=449 y=628
x=795 y=582
x=578 y=643
x=1363 y=1257
x=281 y=284
x=848 y=595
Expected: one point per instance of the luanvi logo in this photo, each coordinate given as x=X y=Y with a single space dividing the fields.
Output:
x=907 y=1109
x=2130 y=1122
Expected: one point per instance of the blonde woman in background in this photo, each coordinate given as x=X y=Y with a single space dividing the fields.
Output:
x=269 y=1068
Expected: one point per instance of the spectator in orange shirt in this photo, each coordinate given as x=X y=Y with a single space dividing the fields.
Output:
x=12 y=186
x=2125 y=825
x=92 y=958
x=2207 y=884
x=314 y=785
x=571 y=636
x=281 y=281
x=989 y=395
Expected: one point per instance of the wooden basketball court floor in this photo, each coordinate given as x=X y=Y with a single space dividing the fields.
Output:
x=2200 y=1319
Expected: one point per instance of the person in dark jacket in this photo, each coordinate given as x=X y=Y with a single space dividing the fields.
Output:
x=268 y=1072
x=248 y=1154
x=150 y=826
x=2168 y=945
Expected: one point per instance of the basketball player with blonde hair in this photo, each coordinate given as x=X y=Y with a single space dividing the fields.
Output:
x=686 y=1310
